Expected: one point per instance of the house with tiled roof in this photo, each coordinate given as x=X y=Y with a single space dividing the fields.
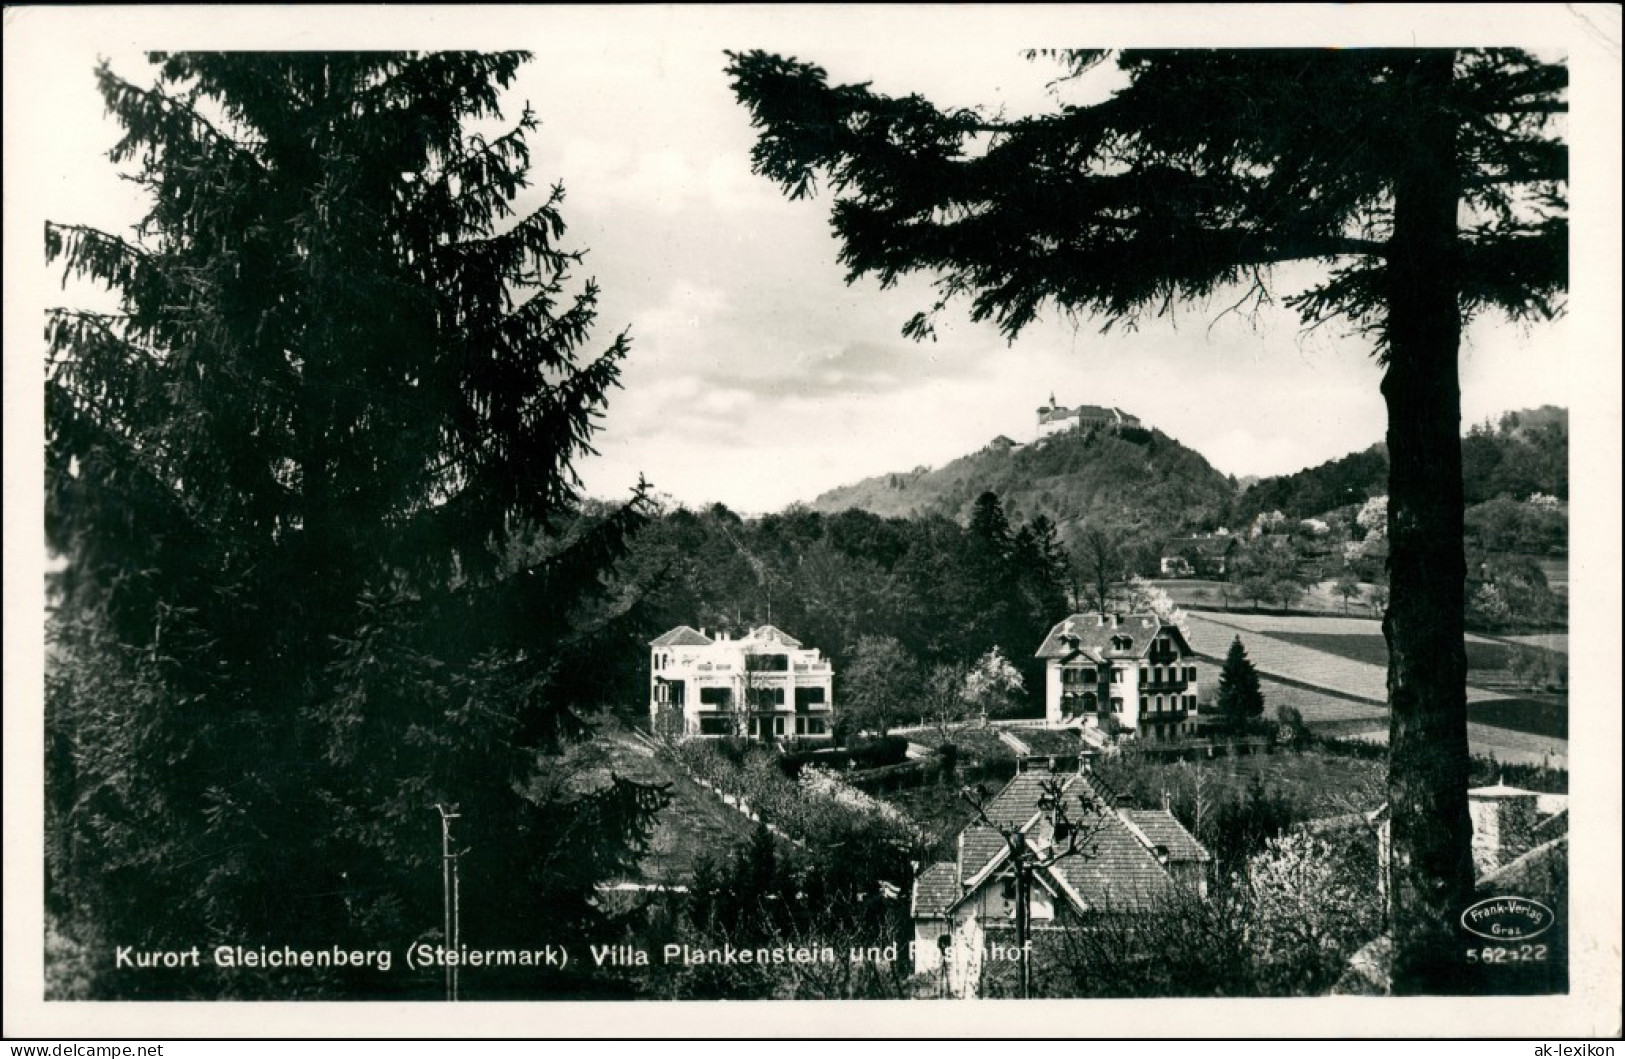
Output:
x=1056 y=419
x=1129 y=861
x=1132 y=673
x=765 y=685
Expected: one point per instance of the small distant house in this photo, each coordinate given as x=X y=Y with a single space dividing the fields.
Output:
x=1204 y=556
x=1133 y=674
x=964 y=910
x=763 y=685
x=1054 y=419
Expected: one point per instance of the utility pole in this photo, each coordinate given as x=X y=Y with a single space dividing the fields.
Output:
x=451 y=898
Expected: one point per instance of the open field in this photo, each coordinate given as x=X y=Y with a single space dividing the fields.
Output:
x=1317 y=599
x=1487 y=659
x=1546 y=716
x=1320 y=708
x=1551 y=641
x=1334 y=670
x=1502 y=744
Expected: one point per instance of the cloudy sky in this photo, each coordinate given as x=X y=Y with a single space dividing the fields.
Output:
x=758 y=377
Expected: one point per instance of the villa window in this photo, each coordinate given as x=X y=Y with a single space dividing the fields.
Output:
x=767 y=663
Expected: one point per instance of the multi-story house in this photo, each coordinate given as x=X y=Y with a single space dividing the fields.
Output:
x=1054 y=419
x=764 y=685
x=1129 y=863
x=1133 y=674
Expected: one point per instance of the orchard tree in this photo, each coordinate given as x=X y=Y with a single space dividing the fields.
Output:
x=993 y=686
x=312 y=482
x=1346 y=588
x=881 y=684
x=1143 y=596
x=945 y=700
x=1099 y=558
x=1427 y=185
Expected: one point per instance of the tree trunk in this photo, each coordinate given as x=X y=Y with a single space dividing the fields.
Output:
x=1431 y=849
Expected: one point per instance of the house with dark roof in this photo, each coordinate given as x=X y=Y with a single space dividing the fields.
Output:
x=1055 y=419
x=1203 y=556
x=1133 y=674
x=1129 y=861
x=763 y=685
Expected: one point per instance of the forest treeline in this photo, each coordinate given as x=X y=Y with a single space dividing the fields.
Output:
x=947 y=593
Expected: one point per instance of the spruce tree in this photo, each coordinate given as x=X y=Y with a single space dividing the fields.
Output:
x=1240 y=699
x=312 y=481
x=1425 y=185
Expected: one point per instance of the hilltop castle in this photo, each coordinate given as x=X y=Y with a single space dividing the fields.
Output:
x=1054 y=419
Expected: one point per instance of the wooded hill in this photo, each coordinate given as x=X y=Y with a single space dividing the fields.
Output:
x=1143 y=483
x=1133 y=479
x=1524 y=453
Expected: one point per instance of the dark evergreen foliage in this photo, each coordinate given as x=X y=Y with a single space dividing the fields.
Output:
x=1240 y=700
x=309 y=481
x=1241 y=826
x=941 y=592
x=1429 y=184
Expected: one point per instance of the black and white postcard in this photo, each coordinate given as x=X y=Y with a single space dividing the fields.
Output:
x=520 y=515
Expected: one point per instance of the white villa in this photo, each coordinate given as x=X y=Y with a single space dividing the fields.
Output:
x=765 y=685
x=1135 y=668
